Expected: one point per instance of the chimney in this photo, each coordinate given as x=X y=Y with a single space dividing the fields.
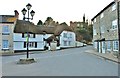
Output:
x=71 y=23
x=16 y=14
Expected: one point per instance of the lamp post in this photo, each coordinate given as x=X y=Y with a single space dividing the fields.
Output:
x=28 y=18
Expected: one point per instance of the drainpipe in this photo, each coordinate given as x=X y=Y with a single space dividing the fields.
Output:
x=118 y=25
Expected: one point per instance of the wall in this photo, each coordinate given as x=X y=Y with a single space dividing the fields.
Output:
x=19 y=42
x=7 y=37
x=62 y=39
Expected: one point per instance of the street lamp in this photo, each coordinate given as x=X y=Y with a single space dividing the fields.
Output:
x=28 y=18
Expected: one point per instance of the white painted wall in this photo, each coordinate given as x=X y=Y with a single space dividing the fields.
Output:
x=72 y=39
x=19 y=42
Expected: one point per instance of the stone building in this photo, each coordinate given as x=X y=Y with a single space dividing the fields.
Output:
x=105 y=29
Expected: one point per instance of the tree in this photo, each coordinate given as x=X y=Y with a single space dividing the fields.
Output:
x=64 y=23
x=48 y=21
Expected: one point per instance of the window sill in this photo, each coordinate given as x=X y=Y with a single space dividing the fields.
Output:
x=4 y=49
x=115 y=50
x=5 y=33
x=114 y=29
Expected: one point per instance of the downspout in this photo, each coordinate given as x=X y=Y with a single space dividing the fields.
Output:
x=118 y=25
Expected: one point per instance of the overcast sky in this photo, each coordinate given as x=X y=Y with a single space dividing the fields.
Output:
x=59 y=10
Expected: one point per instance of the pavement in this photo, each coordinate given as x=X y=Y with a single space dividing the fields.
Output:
x=106 y=56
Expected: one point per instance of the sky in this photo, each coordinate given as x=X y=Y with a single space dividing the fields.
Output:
x=59 y=10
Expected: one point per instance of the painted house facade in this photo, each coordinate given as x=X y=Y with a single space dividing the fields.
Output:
x=105 y=29
x=41 y=37
x=6 y=32
x=62 y=34
x=36 y=41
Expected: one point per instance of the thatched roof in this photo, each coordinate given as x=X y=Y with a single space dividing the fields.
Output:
x=60 y=28
x=22 y=26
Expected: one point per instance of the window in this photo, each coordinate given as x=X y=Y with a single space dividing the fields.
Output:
x=95 y=20
x=30 y=35
x=102 y=29
x=115 y=45
x=78 y=25
x=81 y=26
x=5 y=29
x=95 y=45
x=108 y=45
x=114 y=7
x=69 y=43
x=94 y=32
x=70 y=35
x=65 y=35
x=102 y=15
x=30 y=45
x=65 y=43
x=5 y=44
x=114 y=24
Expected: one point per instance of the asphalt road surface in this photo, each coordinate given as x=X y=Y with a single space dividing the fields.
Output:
x=67 y=62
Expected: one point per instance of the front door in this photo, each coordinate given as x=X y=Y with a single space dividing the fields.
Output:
x=103 y=47
x=99 y=47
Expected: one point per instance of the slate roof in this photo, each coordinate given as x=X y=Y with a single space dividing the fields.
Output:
x=103 y=10
x=5 y=18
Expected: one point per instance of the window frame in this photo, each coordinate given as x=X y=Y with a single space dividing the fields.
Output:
x=102 y=29
x=102 y=15
x=94 y=32
x=5 y=30
x=65 y=35
x=24 y=35
x=3 y=43
x=115 y=47
x=109 y=45
x=114 y=24
x=65 y=43
x=30 y=45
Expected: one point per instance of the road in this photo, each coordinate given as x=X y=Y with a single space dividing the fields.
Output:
x=67 y=62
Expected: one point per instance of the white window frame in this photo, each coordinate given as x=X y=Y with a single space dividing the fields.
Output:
x=109 y=45
x=114 y=24
x=4 y=46
x=95 y=45
x=102 y=28
x=114 y=7
x=95 y=20
x=69 y=42
x=65 y=35
x=70 y=35
x=30 y=45
x=102 y=15
x=5 y=29
x=94 y=32
x=65 y=43
x=78 y=25
x=115 y=46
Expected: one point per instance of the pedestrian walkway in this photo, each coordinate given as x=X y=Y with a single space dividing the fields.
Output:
x=21 y=53
x=106 y=56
